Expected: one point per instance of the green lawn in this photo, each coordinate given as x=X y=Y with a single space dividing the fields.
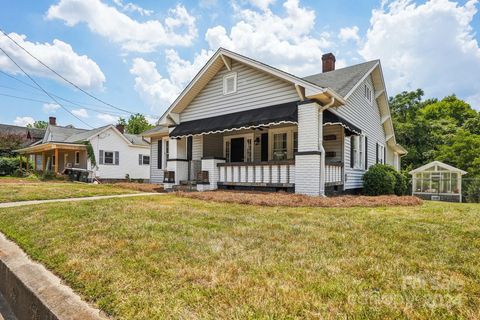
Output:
x=23 y=190
x=171 y=257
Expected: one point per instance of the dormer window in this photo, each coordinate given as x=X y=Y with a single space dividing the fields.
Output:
x=368 y=93
x=230 y=83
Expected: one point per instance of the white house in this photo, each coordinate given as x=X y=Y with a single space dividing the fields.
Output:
x=437 y=181
x=116 y=153
x=241 y=123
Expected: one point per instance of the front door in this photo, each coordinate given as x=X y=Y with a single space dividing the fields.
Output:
x=237 y=150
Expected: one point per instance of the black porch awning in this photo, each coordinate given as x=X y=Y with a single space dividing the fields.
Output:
x=286 y=113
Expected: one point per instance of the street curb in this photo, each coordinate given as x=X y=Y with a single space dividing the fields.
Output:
x=33 y=292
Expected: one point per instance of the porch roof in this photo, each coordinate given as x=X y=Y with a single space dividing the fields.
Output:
x=262 y=117
x=51 y=146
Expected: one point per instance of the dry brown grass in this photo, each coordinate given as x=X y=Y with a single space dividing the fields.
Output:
x=297 y=200
x=144 y=187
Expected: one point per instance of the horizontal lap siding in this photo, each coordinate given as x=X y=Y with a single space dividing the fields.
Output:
x=156 y=175
x=255 y=89
x=359 y=112
x=333 y=145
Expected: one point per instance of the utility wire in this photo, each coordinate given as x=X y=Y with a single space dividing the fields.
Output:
x=46 y=92
x=44 y=101
x=80 y=104
x=62 y=77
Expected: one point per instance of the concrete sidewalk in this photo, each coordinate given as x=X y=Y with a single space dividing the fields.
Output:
x=26 y=203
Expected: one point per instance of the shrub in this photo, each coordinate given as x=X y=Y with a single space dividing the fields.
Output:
x=11 y=166
x=472 y=191
x=379 y=180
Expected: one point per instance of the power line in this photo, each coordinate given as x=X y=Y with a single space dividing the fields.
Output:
x=80 y=104
x=46 y=92
x=44 y=101
x=62 y=77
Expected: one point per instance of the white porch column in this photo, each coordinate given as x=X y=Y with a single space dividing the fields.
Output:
x=177 y=161
x=309 y=163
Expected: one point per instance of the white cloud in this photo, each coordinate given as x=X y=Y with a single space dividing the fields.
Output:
x=430 y=46
x=151 y=120
x=50 y=107
x=23 y=121
x=159 y=92
x=107 y=118
x=82 y=113
x=59 y=55
x=349 y=33
x=286 y=41
x=177 y=29
x=132 y=7
x=262 y=4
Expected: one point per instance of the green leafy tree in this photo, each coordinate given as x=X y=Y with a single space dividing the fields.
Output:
x=136 y=124
x=462 y=151
x=38 y=124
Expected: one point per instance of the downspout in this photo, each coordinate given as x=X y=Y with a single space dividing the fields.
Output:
x=320 y=144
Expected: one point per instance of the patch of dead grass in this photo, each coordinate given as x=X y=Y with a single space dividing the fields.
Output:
x=297 y=200
x=144 y=187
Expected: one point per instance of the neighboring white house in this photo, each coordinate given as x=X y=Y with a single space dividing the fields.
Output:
x=117 y=154
x=244 y=124
x=437 y=181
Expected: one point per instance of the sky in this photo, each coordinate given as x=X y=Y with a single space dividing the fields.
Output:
x=137 y=56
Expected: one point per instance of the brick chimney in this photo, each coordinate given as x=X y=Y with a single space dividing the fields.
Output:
x=121 y=128
x=52 y=121
x=328 y=62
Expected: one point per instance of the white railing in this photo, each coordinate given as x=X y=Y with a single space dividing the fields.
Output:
x=333 y=173
x=271 y=172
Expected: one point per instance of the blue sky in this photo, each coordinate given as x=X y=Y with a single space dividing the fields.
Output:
x=138 y=55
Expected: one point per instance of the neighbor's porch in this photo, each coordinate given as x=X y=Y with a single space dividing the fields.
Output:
x=55 y=157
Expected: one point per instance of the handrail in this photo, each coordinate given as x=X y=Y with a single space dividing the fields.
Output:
x=256 y=163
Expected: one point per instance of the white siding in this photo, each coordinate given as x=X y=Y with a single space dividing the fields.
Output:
x=156 y=175
x=110 y=140
x=255 y=89
x=333 y=145
x=367 y=117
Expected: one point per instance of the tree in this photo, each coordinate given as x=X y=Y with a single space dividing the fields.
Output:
x=38 y=124
x=136 y=124
x=462 y=151
x=10 y=141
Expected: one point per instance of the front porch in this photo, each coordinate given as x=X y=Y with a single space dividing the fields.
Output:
x=293 y=147
x=55 y=157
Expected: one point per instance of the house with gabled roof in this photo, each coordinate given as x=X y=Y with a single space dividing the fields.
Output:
x=244 y=124
x=114 y=154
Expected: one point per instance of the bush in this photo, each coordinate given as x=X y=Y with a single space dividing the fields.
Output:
x=11 y=166
x=381 y=179
x=472 y=191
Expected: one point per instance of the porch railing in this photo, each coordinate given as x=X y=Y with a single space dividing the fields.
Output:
x=281 y=173
x=262 y=173
x=333 y=173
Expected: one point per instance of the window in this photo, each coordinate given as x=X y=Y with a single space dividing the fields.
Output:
x=368 y=93
x=167 y=149
x=143 y=159
x=357 y=152
x=295 y=142
x=230 y=83
x=227 y=150
x=249 y=150
x=77 y=157
x=380 y=153
x=280 y=146
x=108 y=157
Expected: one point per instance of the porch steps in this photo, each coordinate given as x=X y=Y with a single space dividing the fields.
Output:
x=185 y=186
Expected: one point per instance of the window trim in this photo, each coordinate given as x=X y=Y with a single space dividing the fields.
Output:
x=225 y=78
x=165 y=152
x=368 y=90
x=359 y=152
x=77 y=155
x=104 y=158
x=143 y=159
x=245 y=136
x=289 y=131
